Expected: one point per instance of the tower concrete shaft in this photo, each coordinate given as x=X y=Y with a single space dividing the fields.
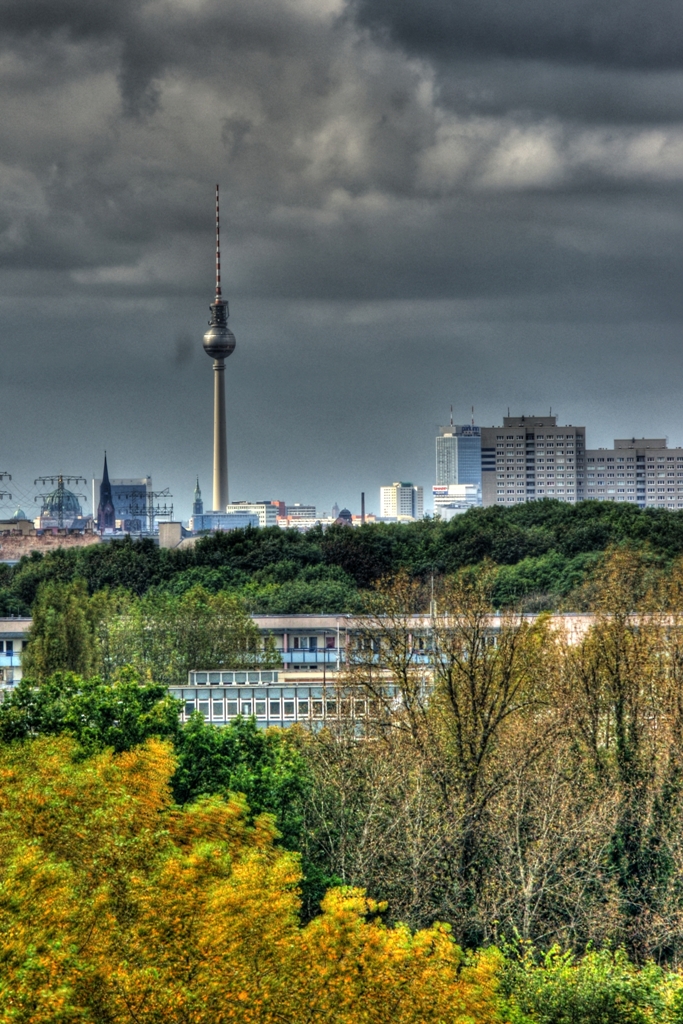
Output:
x=220 y=438
x=219 y=343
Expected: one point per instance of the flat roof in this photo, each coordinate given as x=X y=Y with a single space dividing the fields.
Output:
x=15 y=626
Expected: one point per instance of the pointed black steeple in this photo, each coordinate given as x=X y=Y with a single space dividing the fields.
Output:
x=106 y=514
x=197 y=504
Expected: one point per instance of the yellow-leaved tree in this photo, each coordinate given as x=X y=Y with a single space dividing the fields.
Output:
x=117 y=906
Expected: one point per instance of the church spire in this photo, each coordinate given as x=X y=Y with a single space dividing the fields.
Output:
x=106 y=486
x=106 y=514
x=197 y=504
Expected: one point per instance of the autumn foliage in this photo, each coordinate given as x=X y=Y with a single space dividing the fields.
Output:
x=118 y=906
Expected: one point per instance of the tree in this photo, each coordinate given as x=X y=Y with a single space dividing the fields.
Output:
x=549 y=836
x=372 y=818
x=603 y=987
x=119 y=907
x=618 y=685
x=471 y=704
x=63 y=634
x=164 y=636
x=119 y=714
x=265 y=766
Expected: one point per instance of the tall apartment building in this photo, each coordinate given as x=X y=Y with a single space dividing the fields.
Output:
x=401 y=501
x=531 y=457
x=642 y=471
x=458 y=455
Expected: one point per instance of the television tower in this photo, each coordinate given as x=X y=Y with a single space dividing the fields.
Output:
x=219 y=343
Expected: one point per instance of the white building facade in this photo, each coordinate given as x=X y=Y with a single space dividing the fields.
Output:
x=642 y=471
x=453 y=499
x=402 y=501
x=266 y=511
x=13 y=638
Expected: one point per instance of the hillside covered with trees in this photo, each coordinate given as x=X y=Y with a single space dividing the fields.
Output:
x=545 y=550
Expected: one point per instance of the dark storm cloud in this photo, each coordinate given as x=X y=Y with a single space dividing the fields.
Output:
x=333 y=151
x=608 y=62
x=583 y=93
x=621 y=33
x=80 y=18
x=148 y=38
x=493 y=191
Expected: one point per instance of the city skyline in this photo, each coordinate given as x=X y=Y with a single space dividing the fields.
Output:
x=183 y=505
x=480 y=206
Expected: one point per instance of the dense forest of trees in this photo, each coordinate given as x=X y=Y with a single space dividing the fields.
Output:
x=545 y=549
x=531 y=787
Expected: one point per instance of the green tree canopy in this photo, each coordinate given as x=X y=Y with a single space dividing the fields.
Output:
x=119 y=714
x=64 y=631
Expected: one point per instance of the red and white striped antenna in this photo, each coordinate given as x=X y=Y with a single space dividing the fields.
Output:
x=218 y=250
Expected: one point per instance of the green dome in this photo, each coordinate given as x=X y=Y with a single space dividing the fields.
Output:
x=20 y=514
x=69 y=504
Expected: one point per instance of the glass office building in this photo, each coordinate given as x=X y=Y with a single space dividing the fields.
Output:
x=458 y=455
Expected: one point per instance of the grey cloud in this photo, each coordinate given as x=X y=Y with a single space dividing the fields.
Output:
x=79 y=18
x=234 y=132
x=622 y=33
x=149 y=38
x=541 y=88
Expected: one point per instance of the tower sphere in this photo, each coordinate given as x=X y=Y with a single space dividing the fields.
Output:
x=219 y=341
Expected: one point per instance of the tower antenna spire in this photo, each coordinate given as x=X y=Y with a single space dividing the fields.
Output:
x=218 y=248
x=451 y=416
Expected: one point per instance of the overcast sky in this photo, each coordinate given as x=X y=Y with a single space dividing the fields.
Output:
x=476 y=202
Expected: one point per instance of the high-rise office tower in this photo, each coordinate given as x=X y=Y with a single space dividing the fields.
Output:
x=219 y=343
x=458 y=454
